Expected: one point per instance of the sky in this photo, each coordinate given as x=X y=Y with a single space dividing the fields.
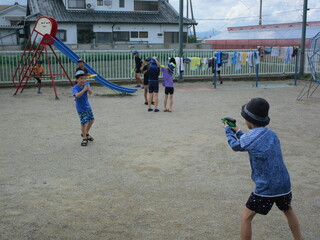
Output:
x=230 y=13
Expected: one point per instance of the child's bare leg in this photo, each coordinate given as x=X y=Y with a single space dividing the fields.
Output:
x=39 y=86
x=293 y=223
x=84 y=130
x=150 y=99
x=165 y=101
x=171 y=102
x=89 y=126
x=156 y=100
x=246 y=220
x=146 y=93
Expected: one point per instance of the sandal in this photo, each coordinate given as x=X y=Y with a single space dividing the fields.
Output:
x=88 y=137
x=84 y=142
x=165 y=110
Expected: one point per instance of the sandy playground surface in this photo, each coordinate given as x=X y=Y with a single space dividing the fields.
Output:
x=148 y=175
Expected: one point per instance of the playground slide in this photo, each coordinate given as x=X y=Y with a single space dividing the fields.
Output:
x=74 y=58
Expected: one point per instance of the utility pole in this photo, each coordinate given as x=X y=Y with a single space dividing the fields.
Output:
x=180 y=38
x=260 y=16
x=303 y=36
x=192 y=17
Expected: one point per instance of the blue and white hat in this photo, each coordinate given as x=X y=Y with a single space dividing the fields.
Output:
x=80 y=73
x=171 y=66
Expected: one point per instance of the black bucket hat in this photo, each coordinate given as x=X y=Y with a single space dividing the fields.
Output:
x=256 y=111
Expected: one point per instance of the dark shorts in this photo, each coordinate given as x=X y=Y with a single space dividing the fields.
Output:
x=169 y=90
x=86 y=117
x=138 y=71
x=153 y=86
x=263 y=205
x=38 y=79
x=145 y=82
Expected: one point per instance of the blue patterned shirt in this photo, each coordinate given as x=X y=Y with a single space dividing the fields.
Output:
x=269 y=172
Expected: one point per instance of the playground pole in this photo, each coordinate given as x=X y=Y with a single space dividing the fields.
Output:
x=180 y=38
x=303 y=38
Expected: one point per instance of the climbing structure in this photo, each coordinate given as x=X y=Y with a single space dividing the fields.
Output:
x=314 y=64
x=42 y=37
x=37 y=49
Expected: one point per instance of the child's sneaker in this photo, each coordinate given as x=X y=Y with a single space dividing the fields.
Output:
x=156 y=110
x=150 y=109
x=39 y=92
x=138 y=86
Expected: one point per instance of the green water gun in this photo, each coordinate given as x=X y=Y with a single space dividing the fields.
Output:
x=230 y=121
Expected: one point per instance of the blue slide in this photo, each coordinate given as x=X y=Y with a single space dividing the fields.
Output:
x=74 y=58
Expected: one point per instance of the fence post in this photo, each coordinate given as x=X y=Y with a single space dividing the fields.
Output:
x=296 y=69
x=257 y=75
x=215 y=75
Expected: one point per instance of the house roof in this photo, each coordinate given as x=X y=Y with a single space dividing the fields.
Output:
x=276 y=33
x=5 y=7
x=57 y=10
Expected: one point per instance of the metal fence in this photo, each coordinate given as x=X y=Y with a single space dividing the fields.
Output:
x=118 y=65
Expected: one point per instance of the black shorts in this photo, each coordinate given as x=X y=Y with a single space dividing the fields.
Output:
x=263 y=205
x=145 y=82
x=138 y=71
x=169 y=90
x=153 y=86
x=38 y=79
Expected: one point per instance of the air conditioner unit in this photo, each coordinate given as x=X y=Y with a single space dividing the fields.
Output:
x=89 y=6
x=160 y=34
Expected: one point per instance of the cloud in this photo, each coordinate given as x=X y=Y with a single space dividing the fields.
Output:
x=246 y=12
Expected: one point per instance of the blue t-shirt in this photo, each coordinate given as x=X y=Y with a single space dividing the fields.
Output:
x=269 y=172
x=82 y=103
x=153 y=73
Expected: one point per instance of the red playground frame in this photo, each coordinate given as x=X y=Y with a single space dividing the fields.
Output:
x=44 y=29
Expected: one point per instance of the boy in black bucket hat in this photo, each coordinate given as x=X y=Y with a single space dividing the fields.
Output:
x=269 y=172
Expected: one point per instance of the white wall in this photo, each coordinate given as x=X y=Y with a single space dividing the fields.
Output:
x=12 y=12
x=152 y=29
x=8 y=37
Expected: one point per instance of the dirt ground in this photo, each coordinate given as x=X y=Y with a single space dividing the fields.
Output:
x=149 y=175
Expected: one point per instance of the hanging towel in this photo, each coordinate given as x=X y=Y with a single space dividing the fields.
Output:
x=244 y=58
x=179 y=65
x=250 y=59
x=283 y=53
x=256 y=57
x=267 y=50
x=195 y=63
x=224 y=57
x=238 y=62
x=229 y=59
x=275 y=52
x=289 y=54
x=234 y=58
x=205 y=64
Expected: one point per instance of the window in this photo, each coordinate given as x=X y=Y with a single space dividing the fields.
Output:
x=14 y=23
x=62 y=35
x=173 y=37
x=103 y=37
x=143 y=34
x=77 y=4
x=121 y=3
x=99 y=2
x=121 y=36
x=134 y=34
x=146 y=5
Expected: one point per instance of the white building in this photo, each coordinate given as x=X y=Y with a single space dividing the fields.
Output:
x=10 y=16
x=111 y=21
